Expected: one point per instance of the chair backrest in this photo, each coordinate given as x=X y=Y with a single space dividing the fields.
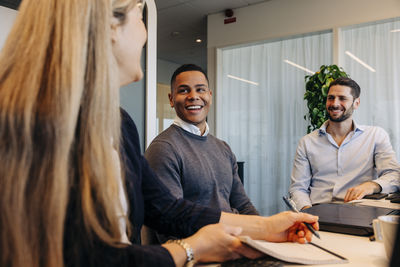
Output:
x=148 y=236
x=241 y=170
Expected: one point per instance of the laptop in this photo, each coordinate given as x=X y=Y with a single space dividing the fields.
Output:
x=348 y=218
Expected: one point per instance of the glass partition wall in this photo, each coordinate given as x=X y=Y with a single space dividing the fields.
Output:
x=370 y=53
x=260 y=109
x=260 y=106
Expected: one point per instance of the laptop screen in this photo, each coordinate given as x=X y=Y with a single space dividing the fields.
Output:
x=347 y=218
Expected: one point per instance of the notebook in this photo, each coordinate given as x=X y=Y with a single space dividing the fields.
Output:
x=310 y=253
x=347 y=218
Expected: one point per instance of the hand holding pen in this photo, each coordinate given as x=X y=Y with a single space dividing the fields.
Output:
x=288 y=226
x=292 y=207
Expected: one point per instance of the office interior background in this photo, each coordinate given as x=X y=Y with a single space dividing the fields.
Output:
x=256 y=68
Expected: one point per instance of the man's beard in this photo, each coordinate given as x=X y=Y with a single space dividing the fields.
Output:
x=346 y=114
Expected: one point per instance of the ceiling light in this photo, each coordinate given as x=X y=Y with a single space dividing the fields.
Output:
x=298 y=66
x=199 y=40
x=242 y=80
x=360 y=61
x=396 y=30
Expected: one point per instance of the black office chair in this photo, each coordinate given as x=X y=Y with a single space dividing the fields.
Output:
x=240 y=170
x=148 y=236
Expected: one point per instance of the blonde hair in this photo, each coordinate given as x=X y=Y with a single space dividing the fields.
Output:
x=59 y=111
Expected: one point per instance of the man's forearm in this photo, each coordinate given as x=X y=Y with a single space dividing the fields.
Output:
x=276 y=228
x=252 y=225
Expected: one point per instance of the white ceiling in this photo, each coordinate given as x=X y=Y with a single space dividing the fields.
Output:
x=189 y=19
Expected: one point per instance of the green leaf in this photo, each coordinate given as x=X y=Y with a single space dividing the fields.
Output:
x=321 y=77
x=328 y=81
x=324 y=90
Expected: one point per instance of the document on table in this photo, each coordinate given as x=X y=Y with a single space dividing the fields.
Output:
x=310 y=253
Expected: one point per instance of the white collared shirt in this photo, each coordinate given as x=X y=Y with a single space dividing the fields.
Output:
x=190 y=127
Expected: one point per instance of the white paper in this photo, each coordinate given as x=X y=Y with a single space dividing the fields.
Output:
x=294 y=252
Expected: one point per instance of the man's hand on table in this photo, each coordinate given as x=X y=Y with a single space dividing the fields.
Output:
x=359 y=191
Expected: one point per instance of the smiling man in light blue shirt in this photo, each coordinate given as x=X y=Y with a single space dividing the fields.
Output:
x=343 y=160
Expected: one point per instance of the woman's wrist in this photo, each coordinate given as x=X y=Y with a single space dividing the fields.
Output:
x=196 y=245
x=184 y=251
x=177 y=253
x=186 y=246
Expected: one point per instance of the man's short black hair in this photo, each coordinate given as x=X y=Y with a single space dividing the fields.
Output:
x=344 y=81
x=184 y=68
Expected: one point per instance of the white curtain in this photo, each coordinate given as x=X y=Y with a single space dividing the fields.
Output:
x=261 y=115
x=378 y=46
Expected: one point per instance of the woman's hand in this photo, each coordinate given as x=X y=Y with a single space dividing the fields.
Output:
x=218 y=242
x=213 y=243
x=289 y=226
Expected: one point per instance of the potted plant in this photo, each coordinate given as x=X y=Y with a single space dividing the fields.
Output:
x=316 y=91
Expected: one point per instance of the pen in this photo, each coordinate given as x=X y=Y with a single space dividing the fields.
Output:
x=293 y=208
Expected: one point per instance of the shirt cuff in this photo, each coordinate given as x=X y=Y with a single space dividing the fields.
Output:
x=301 y=202
x=387 y=186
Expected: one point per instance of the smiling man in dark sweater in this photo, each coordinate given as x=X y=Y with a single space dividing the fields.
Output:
x=194 y=164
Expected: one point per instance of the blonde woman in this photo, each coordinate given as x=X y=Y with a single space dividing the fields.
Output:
x=63 y=200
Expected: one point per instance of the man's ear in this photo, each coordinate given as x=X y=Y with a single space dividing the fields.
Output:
x=356 y=103
x=211 y=97
x=171 y=101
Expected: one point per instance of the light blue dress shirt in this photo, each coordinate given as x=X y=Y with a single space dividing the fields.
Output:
x=323 y=170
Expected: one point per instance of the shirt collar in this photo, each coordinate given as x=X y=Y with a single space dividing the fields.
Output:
x=322 y=129
x=190 y=127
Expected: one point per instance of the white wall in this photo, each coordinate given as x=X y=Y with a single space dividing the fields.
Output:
x=283 y=18
x=165 y=69
x=7 y=17
x=280 y=18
